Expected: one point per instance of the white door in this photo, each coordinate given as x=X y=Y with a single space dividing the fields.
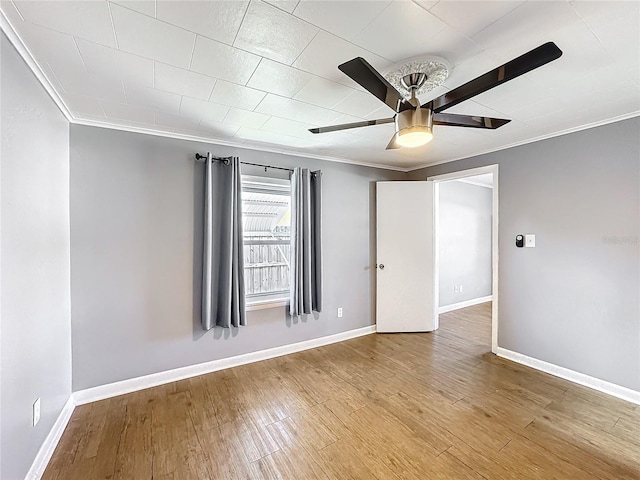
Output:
x=406 y=287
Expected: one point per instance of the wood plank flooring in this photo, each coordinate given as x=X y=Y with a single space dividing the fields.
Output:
x=387 y=407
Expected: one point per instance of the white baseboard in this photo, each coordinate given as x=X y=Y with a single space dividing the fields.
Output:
x=466 y=303
x=139 y=383
x=51 y=442
x=571 y=375
x=127 y=386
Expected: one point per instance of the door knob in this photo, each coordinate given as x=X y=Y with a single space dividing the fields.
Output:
x=382 y=266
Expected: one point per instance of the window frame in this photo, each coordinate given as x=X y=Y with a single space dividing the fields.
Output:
x=271 y=186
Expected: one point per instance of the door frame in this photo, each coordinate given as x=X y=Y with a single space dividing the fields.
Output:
x=437 y=179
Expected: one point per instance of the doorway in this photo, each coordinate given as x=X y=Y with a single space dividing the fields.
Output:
x=458 y=297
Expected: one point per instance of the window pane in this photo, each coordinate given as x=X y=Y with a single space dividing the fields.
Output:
x=266 y=223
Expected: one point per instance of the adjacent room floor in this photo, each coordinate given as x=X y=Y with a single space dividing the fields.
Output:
x=395 y=406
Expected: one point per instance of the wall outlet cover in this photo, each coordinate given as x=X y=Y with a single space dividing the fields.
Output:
x=530 y=240
x=36 y=412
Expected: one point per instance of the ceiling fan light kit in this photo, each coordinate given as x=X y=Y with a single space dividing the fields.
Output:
x=414 y=122
x=414 y=127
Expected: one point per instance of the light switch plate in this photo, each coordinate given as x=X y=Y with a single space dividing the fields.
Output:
x=530 y=240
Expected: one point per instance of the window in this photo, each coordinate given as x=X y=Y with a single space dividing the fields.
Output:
x=266 y=222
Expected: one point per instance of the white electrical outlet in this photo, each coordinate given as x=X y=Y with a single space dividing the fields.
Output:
x=456 y=289
x=530 y=240
x=340 y=312
x=36 y=412
x=460 y=289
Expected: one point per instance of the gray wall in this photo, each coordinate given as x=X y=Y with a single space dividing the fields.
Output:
x=464 y=236
x=574 y=299
x=135 y=235
x=34 y=258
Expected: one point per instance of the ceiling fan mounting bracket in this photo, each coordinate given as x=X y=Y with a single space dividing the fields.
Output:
x=420 y=74
x=414 y=80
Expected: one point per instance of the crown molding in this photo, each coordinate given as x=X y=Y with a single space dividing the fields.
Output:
x=29 y=59
x=567 y=131
x=228 y=143
x=284 y=151
x=25 y=53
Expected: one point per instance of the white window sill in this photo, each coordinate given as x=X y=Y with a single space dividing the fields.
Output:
x=264 y=304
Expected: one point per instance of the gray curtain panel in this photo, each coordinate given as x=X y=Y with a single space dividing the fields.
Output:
x=306 y=242
x=223 y=261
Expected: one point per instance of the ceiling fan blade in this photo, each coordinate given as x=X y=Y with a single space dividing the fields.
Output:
x=368 y=77
x=346 y=126
x=455 y=120
x=393 y=144
x=518 y=66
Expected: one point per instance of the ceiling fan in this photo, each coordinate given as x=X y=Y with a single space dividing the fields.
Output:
x=414 y=122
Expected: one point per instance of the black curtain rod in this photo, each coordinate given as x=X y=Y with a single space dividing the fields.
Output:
x=200 y=157
x=267 y=166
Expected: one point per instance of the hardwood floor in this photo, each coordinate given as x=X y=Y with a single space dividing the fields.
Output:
x=395 y=406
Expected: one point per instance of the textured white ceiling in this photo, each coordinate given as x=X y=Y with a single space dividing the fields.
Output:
x=260 y=73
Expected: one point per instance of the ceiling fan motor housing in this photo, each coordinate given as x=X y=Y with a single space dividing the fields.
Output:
x=414 y=123
x=419 y=117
